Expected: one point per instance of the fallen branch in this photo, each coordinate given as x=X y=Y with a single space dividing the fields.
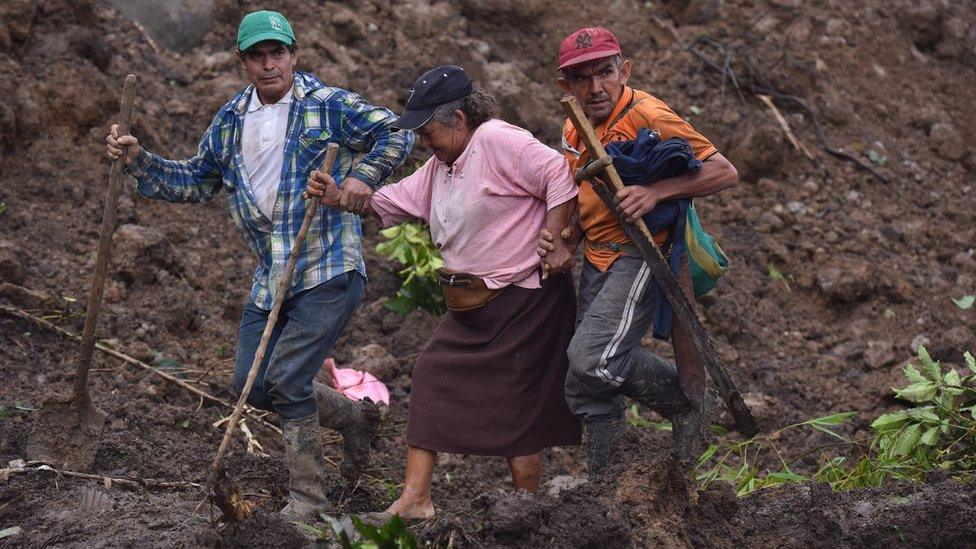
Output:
x=251 y=412
x=785 y=126
x=175 y=380
x=253 y=444
x=22 y=467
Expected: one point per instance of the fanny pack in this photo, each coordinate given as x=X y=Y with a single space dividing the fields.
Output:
x=464 y=291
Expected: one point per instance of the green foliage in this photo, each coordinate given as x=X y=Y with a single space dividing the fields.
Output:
x=410 y=244
x=3 y=207
x=737 y=462
x=938 y=432
x=965 y=302
x=634 y=418
x=6 y=412
x=775 y=274
x=392 y=535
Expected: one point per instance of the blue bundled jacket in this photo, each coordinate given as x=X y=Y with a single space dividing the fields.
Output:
x=646 y=160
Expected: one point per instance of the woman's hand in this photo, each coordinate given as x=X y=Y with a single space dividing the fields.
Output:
x=556 y=254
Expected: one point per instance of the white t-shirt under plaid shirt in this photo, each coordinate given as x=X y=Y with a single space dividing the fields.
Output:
x=263 y=145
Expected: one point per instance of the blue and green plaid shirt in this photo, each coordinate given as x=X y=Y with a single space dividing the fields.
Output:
x=318 y=115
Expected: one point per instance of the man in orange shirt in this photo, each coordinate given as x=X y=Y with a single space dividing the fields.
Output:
x=606 y=360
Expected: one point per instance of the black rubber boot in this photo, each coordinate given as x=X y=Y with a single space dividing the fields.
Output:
x=356 y=420
x=601 y=434
x=653 y=382
x=306 y=468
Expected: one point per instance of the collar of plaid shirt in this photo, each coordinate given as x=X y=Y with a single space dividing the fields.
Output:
x=318 y=114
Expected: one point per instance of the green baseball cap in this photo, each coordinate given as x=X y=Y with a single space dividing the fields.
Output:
x=264 y=25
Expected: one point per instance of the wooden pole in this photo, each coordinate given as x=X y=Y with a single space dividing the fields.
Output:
x=80 y=389
x=279 y=297
x=644 y=242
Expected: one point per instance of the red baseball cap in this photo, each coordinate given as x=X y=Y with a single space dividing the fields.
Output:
x=587 y=44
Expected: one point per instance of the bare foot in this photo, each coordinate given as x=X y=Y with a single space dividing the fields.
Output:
x=411 y=510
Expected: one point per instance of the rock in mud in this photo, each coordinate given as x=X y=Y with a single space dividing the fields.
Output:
x=921 y=340
x=879 y=354
x=923 y=21
x=766 y=409
x=757 y=150
x=11 y=266
x=560 y=483
x=947 y=142
x=18 y=17
x=375 y=359
x=960 y=338
x=848 y=350
x=846 y=280
x=519 y=97
x=139 y=253
x=23 y=297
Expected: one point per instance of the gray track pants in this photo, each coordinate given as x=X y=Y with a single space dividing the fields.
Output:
x=614 y=314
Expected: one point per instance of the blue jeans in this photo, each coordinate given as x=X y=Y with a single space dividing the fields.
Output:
x=308 y=326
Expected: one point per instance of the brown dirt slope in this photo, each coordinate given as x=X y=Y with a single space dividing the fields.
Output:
x=868 y=266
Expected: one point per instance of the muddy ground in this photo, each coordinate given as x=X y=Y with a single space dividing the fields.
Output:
x=868 y=262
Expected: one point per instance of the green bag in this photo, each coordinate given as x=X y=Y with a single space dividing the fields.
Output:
x=705 y=257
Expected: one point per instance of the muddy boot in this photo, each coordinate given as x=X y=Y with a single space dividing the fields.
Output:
x=653 y=382
x=601 y=434
x=688 y=429
x=306 y=467
x=356 y=421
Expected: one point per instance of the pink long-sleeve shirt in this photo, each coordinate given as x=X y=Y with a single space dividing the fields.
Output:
x=485 y=212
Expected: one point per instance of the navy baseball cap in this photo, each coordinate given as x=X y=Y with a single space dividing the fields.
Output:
x=434 y=88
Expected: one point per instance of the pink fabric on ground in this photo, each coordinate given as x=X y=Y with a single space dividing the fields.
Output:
x=357 y=385
x=486 y=211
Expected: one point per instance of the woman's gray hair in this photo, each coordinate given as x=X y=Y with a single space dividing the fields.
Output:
x=479 y=106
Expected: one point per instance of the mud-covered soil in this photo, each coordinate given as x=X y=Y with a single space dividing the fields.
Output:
x=868 y=266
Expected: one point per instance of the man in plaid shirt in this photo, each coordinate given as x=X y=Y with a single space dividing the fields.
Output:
x=261 y=148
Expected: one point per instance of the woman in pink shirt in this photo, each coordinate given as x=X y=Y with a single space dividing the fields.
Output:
x=490 y=380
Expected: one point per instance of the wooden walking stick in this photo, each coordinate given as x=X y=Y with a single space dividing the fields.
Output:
x=311 y=209
x=68 y=429
x=644 y=242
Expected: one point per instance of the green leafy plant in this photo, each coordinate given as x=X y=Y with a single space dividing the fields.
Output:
x=634 y=418
x=737 y=462
x=776 y=274
x=965 y=302
x=394 y=534
x=410 y=244
x=938 y=432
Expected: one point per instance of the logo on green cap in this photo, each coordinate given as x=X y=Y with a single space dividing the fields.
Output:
x=264 y=25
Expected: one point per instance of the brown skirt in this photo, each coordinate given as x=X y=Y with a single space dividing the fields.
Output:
x=490 y=381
